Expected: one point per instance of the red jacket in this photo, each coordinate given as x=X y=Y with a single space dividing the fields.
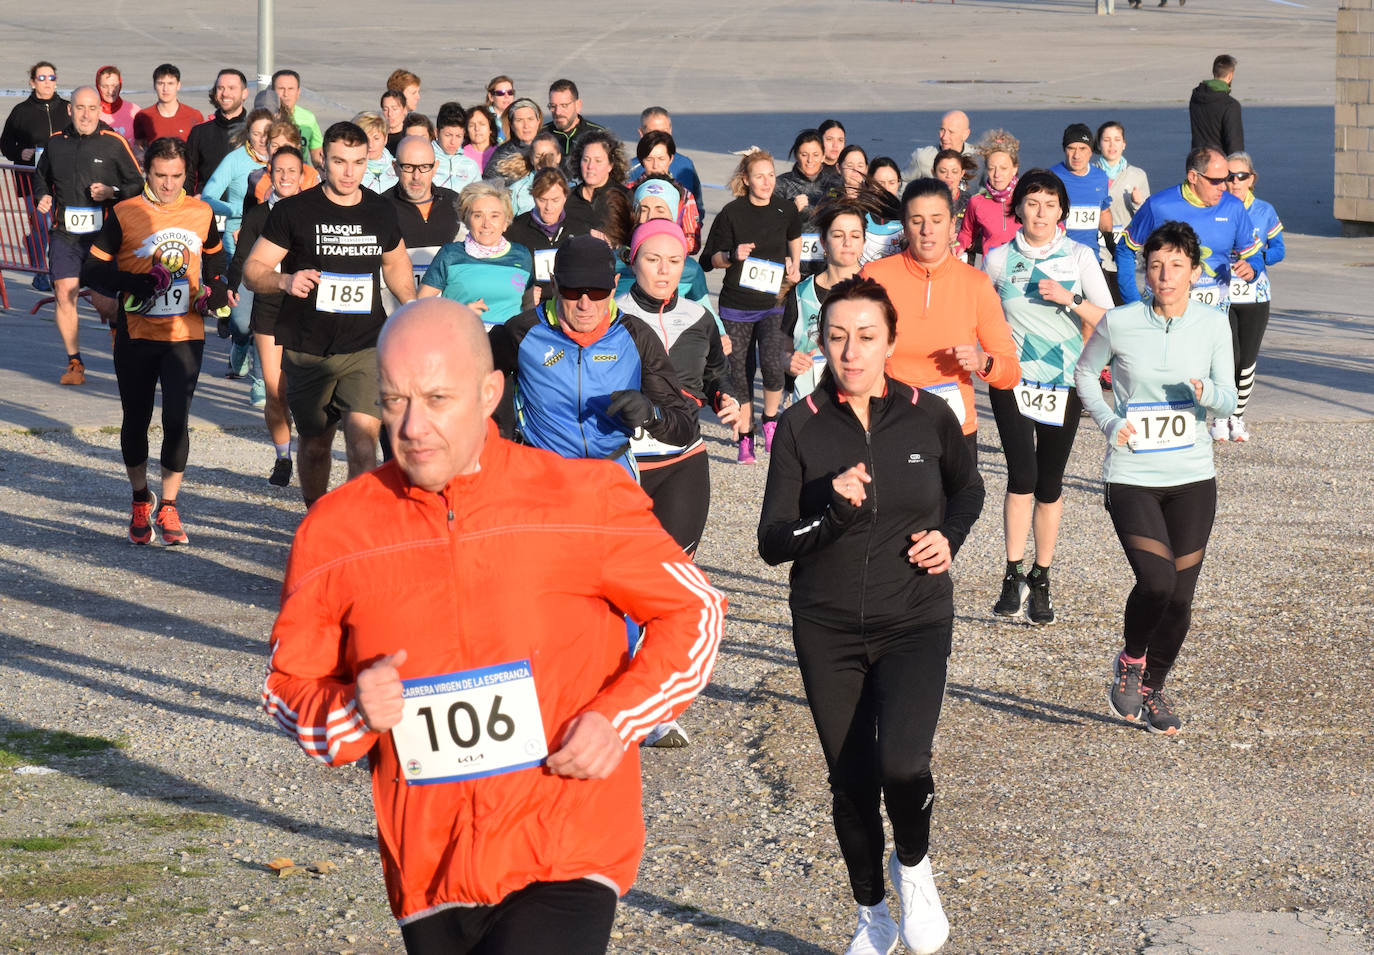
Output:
x=987 y=224
x=534 y=558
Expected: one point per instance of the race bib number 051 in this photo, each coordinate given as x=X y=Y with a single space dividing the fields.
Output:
x=1161 y=425
x=470 y=724
x=761 y=275
x=346 y=294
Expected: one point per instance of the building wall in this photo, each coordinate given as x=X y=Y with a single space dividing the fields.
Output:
x=1354 y=205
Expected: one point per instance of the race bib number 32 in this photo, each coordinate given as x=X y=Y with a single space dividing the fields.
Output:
x=470 y=724
x=346 y=294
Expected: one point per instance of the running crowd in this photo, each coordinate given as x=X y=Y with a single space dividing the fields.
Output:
x=466 y=293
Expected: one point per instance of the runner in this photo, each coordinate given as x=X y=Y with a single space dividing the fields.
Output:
x=500 y=97
x=333 y=245
x=522 y=120
x=381 y=165
x=418 y=124
x=1090 y=205
x=988 y=219
x=209 y=142
x=408 y=85
x=455 y=170
x=842 y=231
x=1225 y=233
x=582 y=378
x=567 y=122
x=654 y=157
x=949 y=318
x=486 y=271
x=1249 y=311
x=428 y=214
x=655 y=198
x=480 y=141
x=852 y=167
x=83 y=171
x=600 y=158
x=1053 y=295
x=1128 y=187
x=832 y=143
x=872 y=604
x=1171 y=364
x=682 y=169
x=808 y=184
x=520 y=171
x=286 y=167
x=468 y=861
x=757 y=239
x=885 y=174
x=883 y=222
x=953 y=134
x=393 y=110
x=35 y=120
x=543 y=229
x=168 y=116
x=281 y=133
x=287 y=85
x=163 y=251
x=115 y=111
x=955 y=169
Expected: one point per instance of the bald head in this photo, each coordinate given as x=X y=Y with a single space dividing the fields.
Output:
x=85 y=109
x=413 y=152
x=954 y=129
x=438 y=389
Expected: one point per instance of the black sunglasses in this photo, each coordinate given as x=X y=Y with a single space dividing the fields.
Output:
x=1239 y=176
x=595 y=294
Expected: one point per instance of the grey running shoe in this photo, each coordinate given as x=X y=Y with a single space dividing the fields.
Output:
x=1159 y=714
x=1124 y=697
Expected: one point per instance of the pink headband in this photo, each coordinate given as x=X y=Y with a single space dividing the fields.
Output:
x=656 y=227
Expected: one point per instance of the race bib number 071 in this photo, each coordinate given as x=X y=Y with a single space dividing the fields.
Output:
x=470 y=724
x=83 y=220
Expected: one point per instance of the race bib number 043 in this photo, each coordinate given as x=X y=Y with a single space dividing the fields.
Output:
x=1161 y=425
x=346 y=294
x=1042 y=403
x=470 y=724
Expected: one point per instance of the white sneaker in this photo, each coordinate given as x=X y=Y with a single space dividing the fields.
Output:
x=876 y=934
x=667 y=736
x=924 y=926
x=1221 y=429
x=1238 y=430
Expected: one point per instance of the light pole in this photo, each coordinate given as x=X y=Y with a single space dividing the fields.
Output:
x=266 y=53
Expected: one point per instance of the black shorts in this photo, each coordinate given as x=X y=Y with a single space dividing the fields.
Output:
x=67 y=254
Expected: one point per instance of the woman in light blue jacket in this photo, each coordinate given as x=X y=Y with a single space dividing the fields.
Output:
x=1171 y=365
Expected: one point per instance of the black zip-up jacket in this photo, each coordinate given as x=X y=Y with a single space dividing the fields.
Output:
x=265 y=307
x=1214 y=115
x=850 y=570
x=31 y=124
x=207 y=144
x=72 y=163
x=439 y=229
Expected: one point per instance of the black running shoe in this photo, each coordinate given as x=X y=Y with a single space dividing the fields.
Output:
x=281 y=472
x=1039 y=608
x=1013 y=599
x=1159 y=714
x=1124 y=697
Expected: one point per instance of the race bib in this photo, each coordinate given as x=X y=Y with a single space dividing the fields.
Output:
x=1041 y=403
x=543 y=265
x=761 y=275
x=1213 y=296
x=811 y=247
x=1242 y=292
x=949 y=393
x=344 y=294
x=470 y=724
x=1161 y=425
x=81 y=220
x=221 y=222
x=1083 y=217
x=176 y=300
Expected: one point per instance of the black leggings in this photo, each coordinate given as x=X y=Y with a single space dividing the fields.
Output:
x=775 y=353
x=140 y=366
x=1036 y=453
x=876 y=701
x=681 y=496
x=567 y=917
x=1164 y=531
x=1248 y=322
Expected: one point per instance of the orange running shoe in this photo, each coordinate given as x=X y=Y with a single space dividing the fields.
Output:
x=169 y=522
x=141 y=524
x=75 y=373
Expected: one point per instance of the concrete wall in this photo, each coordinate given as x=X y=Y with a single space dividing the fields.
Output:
x=1354 y=203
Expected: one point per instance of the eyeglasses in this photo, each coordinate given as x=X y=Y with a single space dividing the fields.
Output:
x=415 y=166
x=501 y=92
x=1239 y=176
x=595 y=294
x=46 y=77
x=1215 y=182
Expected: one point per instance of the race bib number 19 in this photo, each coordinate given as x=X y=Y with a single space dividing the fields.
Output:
x=470 y=724
x=761 y=275
x=346 y=294
x=176 y=300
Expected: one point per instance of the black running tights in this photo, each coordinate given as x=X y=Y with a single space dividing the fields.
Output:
x=140 y=366
x=1248 y=322
x=681 y=497
x=571 y=918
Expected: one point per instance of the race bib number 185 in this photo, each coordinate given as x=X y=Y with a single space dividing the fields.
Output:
x=347 y=294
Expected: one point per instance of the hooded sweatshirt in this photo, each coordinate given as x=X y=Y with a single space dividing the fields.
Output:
x=1214 y=115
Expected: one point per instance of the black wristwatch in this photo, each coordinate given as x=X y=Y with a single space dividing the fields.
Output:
x=1078 y=300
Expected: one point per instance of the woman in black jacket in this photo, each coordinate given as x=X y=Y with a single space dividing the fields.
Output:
x=871 y=491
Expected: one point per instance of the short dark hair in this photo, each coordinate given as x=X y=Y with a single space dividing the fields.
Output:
x=564 y=86
x=653 y=112
x=166 y=69
x=1172 y=235
x=1199 y=158
x=291 y=73
x=165 y=147
x=830 y=211
x=804 y=137
x=967 y=163
x=389 y=93
x=451 y=114
x=546 y=179
x=653 y=139
x=33 y=70
x=828 y=124
x=344 y=132
x=1223 y=65
x=1109 y=124
x=885 y=162
x=418 y=119
x=925 y=186
x=860 y=288
x=230 y=71
x=1040 y=180
x=853 y=148
x=287 y=151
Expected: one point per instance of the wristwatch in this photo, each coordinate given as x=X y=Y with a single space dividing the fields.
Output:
x=987 y=367
x=1078 y=299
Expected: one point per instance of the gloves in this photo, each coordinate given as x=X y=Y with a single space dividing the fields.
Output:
x=141 y=288
x=214 y=299
x=634 y=410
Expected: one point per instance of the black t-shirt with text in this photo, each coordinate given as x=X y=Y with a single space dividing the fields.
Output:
x=344 y=312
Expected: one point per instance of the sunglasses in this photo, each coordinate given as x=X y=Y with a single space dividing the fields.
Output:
x=1216 y=182
x=501 y=92
x=595 y=294
x=45 y=77
x=415 y=166
x=1239 y=176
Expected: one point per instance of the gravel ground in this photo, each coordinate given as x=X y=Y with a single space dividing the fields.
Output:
x=134 y=674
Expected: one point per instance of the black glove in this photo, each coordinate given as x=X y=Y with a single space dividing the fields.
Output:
x=219 y=294
x=138 y=285
x=633 y=409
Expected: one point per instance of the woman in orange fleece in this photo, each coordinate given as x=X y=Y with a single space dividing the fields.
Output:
x=950 y=325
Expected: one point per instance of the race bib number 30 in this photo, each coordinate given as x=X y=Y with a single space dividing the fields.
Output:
x=1161 y=425
x=761 y=275
x=949 y=393
x=811 y=247
x=346 y=294
x=470 y=724
x=1213 y=296
x=82 y=220
x=1042 y=403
